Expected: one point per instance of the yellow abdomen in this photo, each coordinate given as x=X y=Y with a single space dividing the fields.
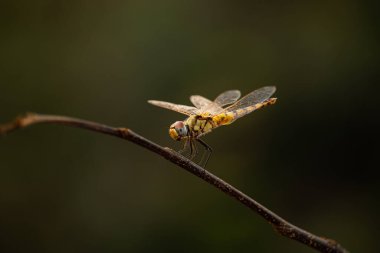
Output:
x=223 y=119
x=229 y=117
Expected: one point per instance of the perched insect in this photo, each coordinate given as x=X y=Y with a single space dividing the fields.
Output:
x=208 y=115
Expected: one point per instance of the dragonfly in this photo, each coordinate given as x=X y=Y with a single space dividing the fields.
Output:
x=207 y=115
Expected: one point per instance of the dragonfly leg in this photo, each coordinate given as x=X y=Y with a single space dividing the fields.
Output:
x=184 y=147
x=189 y=143
x=207 y=153
x=193 y=149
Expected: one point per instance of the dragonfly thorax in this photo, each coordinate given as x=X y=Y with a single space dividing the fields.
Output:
x=178 y=130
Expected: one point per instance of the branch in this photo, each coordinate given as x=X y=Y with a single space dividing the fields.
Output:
x=279 y=224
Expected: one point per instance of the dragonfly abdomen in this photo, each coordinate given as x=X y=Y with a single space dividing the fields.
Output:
x=223 y=118
x=229 y=117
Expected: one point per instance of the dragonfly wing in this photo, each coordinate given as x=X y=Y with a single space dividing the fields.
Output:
x=255 y=97
x=184 y=109
x=251 y=102
x=227 y=97
x=205 y=105
x=199 y=101
x=216 y=107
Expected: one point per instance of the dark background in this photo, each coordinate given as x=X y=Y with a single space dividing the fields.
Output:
x=311 y=157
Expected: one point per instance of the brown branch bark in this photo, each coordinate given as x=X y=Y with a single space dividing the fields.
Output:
x=279 y=224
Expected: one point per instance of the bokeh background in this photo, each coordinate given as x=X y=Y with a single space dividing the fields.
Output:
x=312 y=157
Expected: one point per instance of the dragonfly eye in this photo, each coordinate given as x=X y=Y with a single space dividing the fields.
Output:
x=177 y=125
x=178 y=130
x=182 y=131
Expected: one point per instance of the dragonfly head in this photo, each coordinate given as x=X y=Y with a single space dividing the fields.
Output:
x=178 y=130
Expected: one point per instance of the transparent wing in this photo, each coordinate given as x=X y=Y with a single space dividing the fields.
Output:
x=184 y=109
x=199 y=101
x=227 y=97
x=255 y=97
x=216 y=106
x=205 y=105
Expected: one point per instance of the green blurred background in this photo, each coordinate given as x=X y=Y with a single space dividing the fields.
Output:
x=310 y=158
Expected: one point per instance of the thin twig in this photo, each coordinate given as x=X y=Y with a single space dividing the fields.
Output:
x=279 y=224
